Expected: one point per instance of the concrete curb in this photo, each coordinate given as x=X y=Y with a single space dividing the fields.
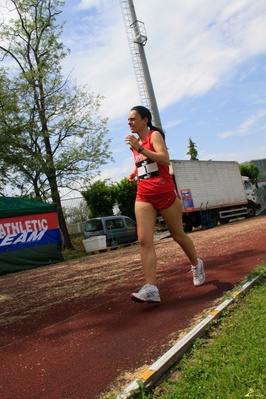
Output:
x=164 y=363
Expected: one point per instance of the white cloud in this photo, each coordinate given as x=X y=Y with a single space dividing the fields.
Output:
x=258 y=152
x=99 y=4
x=192 y=46
x=173 y=123
x=117 y=173
x=245 y=127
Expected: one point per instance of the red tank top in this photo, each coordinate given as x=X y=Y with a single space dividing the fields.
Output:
x=153 y=178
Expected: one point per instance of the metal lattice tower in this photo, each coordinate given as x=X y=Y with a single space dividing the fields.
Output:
x=137 y=39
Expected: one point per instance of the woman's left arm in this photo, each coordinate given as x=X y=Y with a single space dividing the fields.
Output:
x=161 y=154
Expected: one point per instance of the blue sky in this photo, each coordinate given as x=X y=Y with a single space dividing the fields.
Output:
x=207 y=60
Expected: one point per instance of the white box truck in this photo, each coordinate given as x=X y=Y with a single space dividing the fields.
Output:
x=212 y=192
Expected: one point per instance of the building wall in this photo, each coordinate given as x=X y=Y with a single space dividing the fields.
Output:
x=261 y=163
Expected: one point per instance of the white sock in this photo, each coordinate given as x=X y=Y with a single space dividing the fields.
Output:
x=194 y=267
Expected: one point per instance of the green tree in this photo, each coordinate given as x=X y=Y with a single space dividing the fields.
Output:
x=125 y=194
x=250 y=170
x=100 y=198
x=51 y=134
x=8 y=108
x=192 y=150
x=262 y=176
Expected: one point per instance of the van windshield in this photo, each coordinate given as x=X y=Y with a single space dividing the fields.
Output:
x=93 y=225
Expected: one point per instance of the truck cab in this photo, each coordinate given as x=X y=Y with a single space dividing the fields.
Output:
x=249 y=190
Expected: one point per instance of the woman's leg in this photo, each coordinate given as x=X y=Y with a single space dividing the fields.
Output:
x=173 y=218
x=146 y=218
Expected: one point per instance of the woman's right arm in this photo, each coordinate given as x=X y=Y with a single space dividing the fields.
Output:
x=132 y=177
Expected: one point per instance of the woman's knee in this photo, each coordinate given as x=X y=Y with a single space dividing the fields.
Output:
x=145 y=241
x=180 y=237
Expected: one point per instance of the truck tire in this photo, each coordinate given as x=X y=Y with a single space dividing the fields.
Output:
x=224 y=221
x=188 y=228
x=214 y=218
x=251 y=212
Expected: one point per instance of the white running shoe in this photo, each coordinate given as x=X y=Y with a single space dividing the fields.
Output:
x=146 y=294
x=198 y=274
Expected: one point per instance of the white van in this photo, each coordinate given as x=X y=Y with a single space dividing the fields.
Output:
x=117 y=229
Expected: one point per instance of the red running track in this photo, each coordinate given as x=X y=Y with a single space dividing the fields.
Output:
x=69 y=331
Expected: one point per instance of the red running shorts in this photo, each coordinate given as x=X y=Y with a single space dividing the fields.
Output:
x=159 y=201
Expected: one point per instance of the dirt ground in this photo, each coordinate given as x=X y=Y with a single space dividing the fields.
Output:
x=70 y=331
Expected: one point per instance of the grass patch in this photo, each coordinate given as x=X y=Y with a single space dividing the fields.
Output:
x=230 y=362
x=78 y=251
x=74 y=254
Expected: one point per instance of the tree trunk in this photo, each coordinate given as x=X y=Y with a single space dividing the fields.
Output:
x=67 y=241
x=56 y=200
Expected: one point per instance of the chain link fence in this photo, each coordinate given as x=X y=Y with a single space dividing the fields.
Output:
x=76 y=213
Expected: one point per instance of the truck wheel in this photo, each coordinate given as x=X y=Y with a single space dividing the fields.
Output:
x=188 y=228
x=214 y=218
x=251 y=212
x=224 y=221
